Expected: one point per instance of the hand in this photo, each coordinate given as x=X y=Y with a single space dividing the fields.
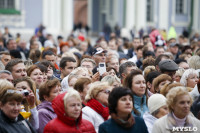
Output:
x=31 y=99
x=95 y=77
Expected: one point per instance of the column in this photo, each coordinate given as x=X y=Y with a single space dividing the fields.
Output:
x=130 y=14
x=163 y=15
x=140 y=14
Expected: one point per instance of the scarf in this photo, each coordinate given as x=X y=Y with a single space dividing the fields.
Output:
x=99 y=108
x=125 y=124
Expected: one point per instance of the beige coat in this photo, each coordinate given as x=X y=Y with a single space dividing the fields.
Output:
x=167 y=124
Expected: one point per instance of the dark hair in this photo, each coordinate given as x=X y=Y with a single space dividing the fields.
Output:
x=48 y=52
x=12 y=63
x=115 y=95
x=42 y=68
x=79 y=85
x=158 y=59
x=64 y=60
x=151 y=76
x=46 y=88
x=47 y=64
x=123 y=66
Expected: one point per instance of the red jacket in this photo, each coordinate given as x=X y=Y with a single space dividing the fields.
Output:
x=65 y=124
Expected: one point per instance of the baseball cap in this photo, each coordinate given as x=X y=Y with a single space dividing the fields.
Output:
x=98 y=50
x=168 y=65
x=173 y=44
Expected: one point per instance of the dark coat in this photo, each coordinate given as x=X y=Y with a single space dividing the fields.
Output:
x=11 y=126
x=110 y=126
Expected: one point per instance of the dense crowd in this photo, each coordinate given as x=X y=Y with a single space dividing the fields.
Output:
x=146 y=84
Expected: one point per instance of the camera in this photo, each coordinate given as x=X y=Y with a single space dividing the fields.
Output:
x=25 y=92
x=102 y=68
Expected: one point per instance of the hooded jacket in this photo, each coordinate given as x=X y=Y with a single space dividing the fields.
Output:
x=64 y=123
x=45 y=114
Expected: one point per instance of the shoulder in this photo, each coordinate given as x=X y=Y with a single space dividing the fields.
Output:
x=87 y=126
x=106 y=126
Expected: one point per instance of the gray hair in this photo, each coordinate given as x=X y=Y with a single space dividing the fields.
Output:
x=5 y=71
x=122 y=67
x=186 y=75
x=89 y=60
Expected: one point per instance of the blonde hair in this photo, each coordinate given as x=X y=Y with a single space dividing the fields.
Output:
x=174 y=93
x=194 y=62
x=94 y=89
x=111 y=79
x=5 y=83
x=165 y=89
x=69 y=94
x=159 y=79
x=180 y=72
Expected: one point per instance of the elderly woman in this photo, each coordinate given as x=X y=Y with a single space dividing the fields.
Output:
x=136 y=82
x=10 y=119
x=157 y=109
x=30 y=101
x=67 y=106
x=190 y=78
x=82 y=86
x=47 y=92
x=179 y=118
x=96 y=110
x=120 y=106
x=159 y=82
x=113 y=81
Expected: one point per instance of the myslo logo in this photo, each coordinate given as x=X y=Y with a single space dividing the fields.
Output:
x=184 y=129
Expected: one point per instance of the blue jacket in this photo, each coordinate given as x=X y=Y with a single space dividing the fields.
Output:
x=140 y=105
x=110 y=126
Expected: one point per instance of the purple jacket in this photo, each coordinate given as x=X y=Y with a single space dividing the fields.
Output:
x=45 y=114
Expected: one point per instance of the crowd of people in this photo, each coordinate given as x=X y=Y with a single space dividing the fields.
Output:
x=147 y=84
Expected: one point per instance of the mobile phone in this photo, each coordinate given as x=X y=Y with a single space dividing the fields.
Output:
x=102 y=68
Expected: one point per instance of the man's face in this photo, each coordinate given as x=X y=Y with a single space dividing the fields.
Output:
x=171 y=74
x=19 y=71
x=6 y=76
x=12 y=45
x=100 y=57
x=136 y=43
x=51 y=58
x=5 y=59
x=70 y=66
x=112 y=45
x=87 y=65
x=159 y=51
x=174 y=50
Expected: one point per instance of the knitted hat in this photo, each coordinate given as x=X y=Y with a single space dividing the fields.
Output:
x=155 y=102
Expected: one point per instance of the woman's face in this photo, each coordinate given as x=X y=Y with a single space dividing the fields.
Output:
x=112 y=72
x=11 y=109
x=44 y=77
x=23 y=86
x=49 y=72
x=182 y=106
x=53 y=93
x=162 y=84
x=192 y=80
x=162 y=111
x=138 y=85
x=73 y=107
x=124 y=105
x=37 y=76
x=102 y=96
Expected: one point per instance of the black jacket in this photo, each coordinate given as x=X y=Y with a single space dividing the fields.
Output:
x=11 y=126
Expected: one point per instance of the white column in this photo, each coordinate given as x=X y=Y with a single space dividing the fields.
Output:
x=140 y=14
x=45 y=13
x=67 y=15
x=163 y=15
x=130 y=14
x=195 y=15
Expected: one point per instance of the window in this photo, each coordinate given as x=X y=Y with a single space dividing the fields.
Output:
x=180 y=6
x=7 y=4
x=149 y=11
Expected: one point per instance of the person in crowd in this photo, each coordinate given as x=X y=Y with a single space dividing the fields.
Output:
x=47 y=92
x=120 y=108
x=159 y=82
x=5 y=74
x=111 y=71
x=190 y=78
x=159 y=50
x=82 y=86
x=36 y=75
x=99 y=55
x=67 y=64
x=157 y=109
x=125 y=69
x=67 y=107
x=30 y=100
x=113 y=62
x=168 y=86
x=88 y=63
x=113 y=81
x=179 y=118
x=96 y=110
x=5 y=57
x=11 y=121
x=168 y=67
x=195 y=108
x=17 y=68
x=136 y=82
x=44 y=71
x=179 y=74
x=50 y=69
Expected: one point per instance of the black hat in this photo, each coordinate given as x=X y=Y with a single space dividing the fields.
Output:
x=168 y=65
